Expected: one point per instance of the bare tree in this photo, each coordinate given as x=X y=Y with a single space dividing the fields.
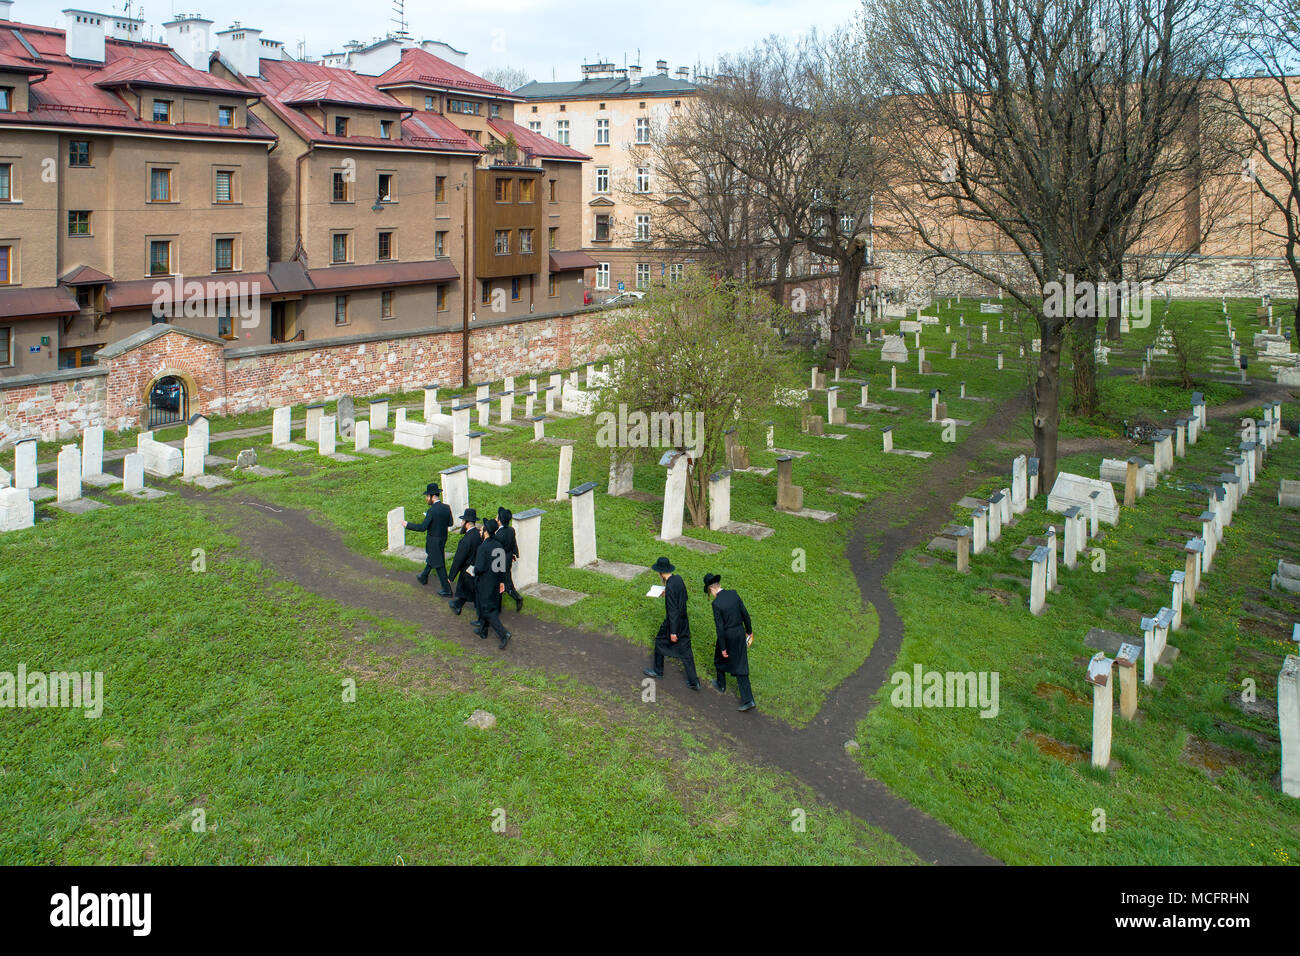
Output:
x=1267 y=103
x=507 y=77
x=1013 y=133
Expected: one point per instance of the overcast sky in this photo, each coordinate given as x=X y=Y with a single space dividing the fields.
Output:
x=540 y=36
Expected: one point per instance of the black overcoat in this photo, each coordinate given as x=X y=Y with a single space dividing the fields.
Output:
x=462 y=561
x=436 y=523
x=506 y=535
x=731 y=621
x=675 y=621
x=488 y=559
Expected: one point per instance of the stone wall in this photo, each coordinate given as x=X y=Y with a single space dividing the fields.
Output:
x=918 y=276
x=58 y=405
x=227 y=381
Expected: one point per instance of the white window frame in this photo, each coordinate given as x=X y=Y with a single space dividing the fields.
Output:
x=602 y=172
x=602 y=275
x=562 y=132
x=642 y=130
x=643 y=275
x=643 y=179
x=602 y=132
x=643 y=227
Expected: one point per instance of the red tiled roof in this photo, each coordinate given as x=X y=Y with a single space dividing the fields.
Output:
x=142 y=294
x=153 y=68
x=84 y=275
x=437 y=131
x=570 y=261
x=420 y=67
x=15 y=65
x=36 y=303
x=69 y=94
x=336 y=278
x=295 y=83
x=535 y=143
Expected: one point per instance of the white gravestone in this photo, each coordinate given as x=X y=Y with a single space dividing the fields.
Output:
x=455 y=490
x=327 y=435
x=192 y=463
x=314 y=415
x=719 y=500
x=69 y=474
x=674 y=495
x=281 y=426
x=528 y=536
x=1075 y=490
x=25 y=464
x=133 y=472
x=562 y=483
x=583 y=502
x=16 y=509
x=378 y=415
x=92 y=451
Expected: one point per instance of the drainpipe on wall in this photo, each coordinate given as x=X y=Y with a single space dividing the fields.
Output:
x=297 y=206
x=469 y=286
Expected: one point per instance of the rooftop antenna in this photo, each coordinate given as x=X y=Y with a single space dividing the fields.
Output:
x=399 y=18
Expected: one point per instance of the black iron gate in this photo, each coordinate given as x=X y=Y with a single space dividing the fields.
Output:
x=168 y=402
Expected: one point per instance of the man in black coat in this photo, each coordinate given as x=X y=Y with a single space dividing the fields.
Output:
x=506 y=535
x=463 y=560
x=735 y=634
x=437 y=522
x=491 y=565
x=674 y=637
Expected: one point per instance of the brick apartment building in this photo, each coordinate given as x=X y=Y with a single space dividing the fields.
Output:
x=274 y=200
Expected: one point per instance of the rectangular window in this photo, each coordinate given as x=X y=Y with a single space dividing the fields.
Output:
x=550 y=285
x=385 y=129
x=340 y=310
x=386 y=304
x=494 y=110
x=527 y=190
x=162 y=111
x=439 y=188
x=6 y=265
x=602 y=179
x=442 y=298
x=602 y=229
x=340 y=126
x=81 y=357
x=6 y=182
x=225 y=185
x=79 y=152
x=675 y=272
x=643 y=179
x=503 y=190
x=643 y=227
x=552 y=237
x=223 y=259
x=462 y=106
x=503 y=242
x=386 y=187
x=525 y=240
x=339 y=247
x=487 y=291
x=6 y=99
x=534 y=126
x=385 y=246
x=602 y=275
x=225 y=327
x=340 y=193
x=79 y=222
x=562 y=132
x=160 y=185
x=226 y=116
x=439 y=244
x=85 y=298
x=160 y=258
x=602 y=132
x=514 y=289
x=428 y=103
x=643 y=275
x=552 y=191
x=642 y=131
x=6 y=343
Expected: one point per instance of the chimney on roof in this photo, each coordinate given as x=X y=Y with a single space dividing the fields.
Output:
x=126 y=28
x=191 y=37
x=661 y=67
x=634 y=74
x=5 y=7
x=683 y=72
x=84 y=35
x=242 y=48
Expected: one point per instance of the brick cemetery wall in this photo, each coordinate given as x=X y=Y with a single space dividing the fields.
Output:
x=53 y=406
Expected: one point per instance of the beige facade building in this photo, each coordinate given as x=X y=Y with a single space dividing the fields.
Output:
x=611 y=115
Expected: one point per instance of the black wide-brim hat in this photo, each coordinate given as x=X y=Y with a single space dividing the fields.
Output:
x=469 y=515
x=710 y=580
x=663 y=566
x=504 y=515
x=432 y=489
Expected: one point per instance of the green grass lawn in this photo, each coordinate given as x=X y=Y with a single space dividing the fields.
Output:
x=1192 y=779
x=224 y=693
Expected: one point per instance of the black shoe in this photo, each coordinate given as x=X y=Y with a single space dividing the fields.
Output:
x=504 y=641
x=720 y=687
x=750 y=705
x=455 y=607
x=519 y=604
x=651 y=672
x=480 y=630
x=695 y=686
x=444 y=594
x=422 y=578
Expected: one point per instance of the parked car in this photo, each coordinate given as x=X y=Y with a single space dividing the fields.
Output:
x=166 y=394
x=622 y=297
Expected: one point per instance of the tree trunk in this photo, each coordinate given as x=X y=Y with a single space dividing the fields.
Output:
x=1082 y=339
x=778 y=285
x=697 y=496
x=846 y=299
x=1047 y=401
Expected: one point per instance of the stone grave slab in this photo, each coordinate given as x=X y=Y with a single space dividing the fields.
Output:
x=1075 y=491
x=813 y=513
x=783 y=452
x=755 y=531
x=615 y=569
x=144 y=494
x=261 y=471
x=216 y=461
x=290 y=446
x=695 y=544
x=1100 y=639
x=41 y=493
x=342 y=458
x=550 y=594
x=376 y=452
x=79 y=506
x=100 y=480
x=208 y=482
